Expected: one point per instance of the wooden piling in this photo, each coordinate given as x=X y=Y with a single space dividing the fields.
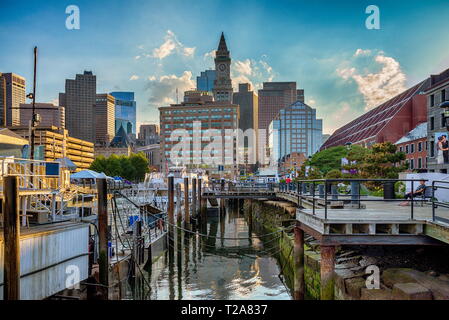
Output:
x=327 y=272
x=298 y=256
x=194 y=198
x=103 y=255
x=11 y=234
x=170 y=212
x=186 y=203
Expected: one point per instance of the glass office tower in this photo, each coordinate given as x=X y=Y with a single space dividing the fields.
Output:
x=125 y=112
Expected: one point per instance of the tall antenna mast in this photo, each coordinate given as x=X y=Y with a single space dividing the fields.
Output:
x=177 y=96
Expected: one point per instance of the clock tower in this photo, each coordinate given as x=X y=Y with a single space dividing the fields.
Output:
x=222 y=84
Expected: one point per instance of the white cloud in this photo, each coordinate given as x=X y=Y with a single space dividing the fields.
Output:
x=134 y=77
x=137 y=57
x=54 y=101
x=171 y=45
x=361 y=52
x=251 y=71
x=210 y=54
x=163 y=89
x=379 y=86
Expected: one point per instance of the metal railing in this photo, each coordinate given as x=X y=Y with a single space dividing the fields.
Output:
x=328 y=192
x=439 y=185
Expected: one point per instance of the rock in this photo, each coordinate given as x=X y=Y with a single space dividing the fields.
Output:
x=375 y=294
x=432 y=273
x=367 y=261
x=443 y=277
x=346 y=265
x=410 y=291
x=353 y=287
x=396 y=275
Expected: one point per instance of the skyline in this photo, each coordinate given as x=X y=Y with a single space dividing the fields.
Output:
x=153 y=49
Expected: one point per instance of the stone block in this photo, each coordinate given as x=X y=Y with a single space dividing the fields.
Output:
x=354 y=286
x=410 y=291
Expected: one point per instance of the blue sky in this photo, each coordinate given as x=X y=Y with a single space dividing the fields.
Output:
x=154 y=47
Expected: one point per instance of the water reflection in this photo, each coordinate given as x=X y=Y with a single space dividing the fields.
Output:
x=210 y=267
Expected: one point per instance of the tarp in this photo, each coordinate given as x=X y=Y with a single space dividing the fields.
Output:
x=66 y=162
x=89 y=174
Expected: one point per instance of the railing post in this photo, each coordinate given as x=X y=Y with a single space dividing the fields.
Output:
x=103 y=258
x=411 y=205
x=11 y=234
x=325 y=199
x=433 y=201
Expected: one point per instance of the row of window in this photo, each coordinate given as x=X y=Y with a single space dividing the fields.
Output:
x=418 y=163
x=442 y=122
x=432 y=97
x=182 y=111
x=410 y=148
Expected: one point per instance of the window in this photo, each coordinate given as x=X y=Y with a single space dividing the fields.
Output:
x=419 y=146
x=432 y=149
x=432 y=123
x=412 y=148
x=443 y=95
x=432 y=100
x=406 y=149
x=419 y=163
x=412 y=164
x=443 y=121
x=401 y=149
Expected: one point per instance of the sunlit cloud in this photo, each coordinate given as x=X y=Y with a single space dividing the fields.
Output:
x=170 y=46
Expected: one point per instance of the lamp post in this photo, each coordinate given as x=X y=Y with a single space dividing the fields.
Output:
x=34 y=117
x=445 y=106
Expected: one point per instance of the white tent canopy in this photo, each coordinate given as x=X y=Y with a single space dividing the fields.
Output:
x=89 y=174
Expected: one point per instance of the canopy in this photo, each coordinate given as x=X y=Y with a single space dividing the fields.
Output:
x=88 y=174
x=66 y=162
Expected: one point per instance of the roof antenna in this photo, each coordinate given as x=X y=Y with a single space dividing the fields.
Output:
x=177 y=96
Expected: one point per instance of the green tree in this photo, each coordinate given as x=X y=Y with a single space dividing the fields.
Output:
x=131 y=168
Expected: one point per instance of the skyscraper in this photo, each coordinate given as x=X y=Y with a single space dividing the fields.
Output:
x=205 y=82
x=50 y=115
x=12 y=87
x=222 y=85
x=275 y=96
x=295 y=130
x=149 y=134
x=248 y=102
x=125 y=112
x=79 y=100
x=104 y=119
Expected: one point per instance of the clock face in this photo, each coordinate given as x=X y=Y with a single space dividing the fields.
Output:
x=222 y=67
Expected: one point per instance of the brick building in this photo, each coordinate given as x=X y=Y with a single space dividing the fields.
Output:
x=414 y=145
x=388 y=122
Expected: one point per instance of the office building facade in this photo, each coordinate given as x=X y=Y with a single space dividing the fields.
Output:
x=104 y=119
x=50 y=115
x=79 y=100
x=249 y=107
x=148 y=134
x=12 y=87
x=205 y=82
x=295 y=130
x=125 y=112
x=211 y=115
x=436 y=94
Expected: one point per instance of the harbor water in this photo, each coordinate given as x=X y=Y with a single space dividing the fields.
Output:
x=227 y=258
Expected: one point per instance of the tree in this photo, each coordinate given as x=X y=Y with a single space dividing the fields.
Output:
x=131 y=168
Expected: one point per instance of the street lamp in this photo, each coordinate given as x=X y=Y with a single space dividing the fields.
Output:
x=445 y=105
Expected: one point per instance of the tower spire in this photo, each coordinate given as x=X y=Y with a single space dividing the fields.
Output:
x=222 y=45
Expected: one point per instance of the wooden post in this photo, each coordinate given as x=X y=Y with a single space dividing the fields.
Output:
x=202 y=202
x=170 y=212
x=194 y=199
x=186 y=203
x=11 y=234
x=298 y=256
x=138 y=250
x=178 y=203
x=103 y=256
x=327 y=272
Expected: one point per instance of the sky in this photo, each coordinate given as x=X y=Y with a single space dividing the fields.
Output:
x=153 y=47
